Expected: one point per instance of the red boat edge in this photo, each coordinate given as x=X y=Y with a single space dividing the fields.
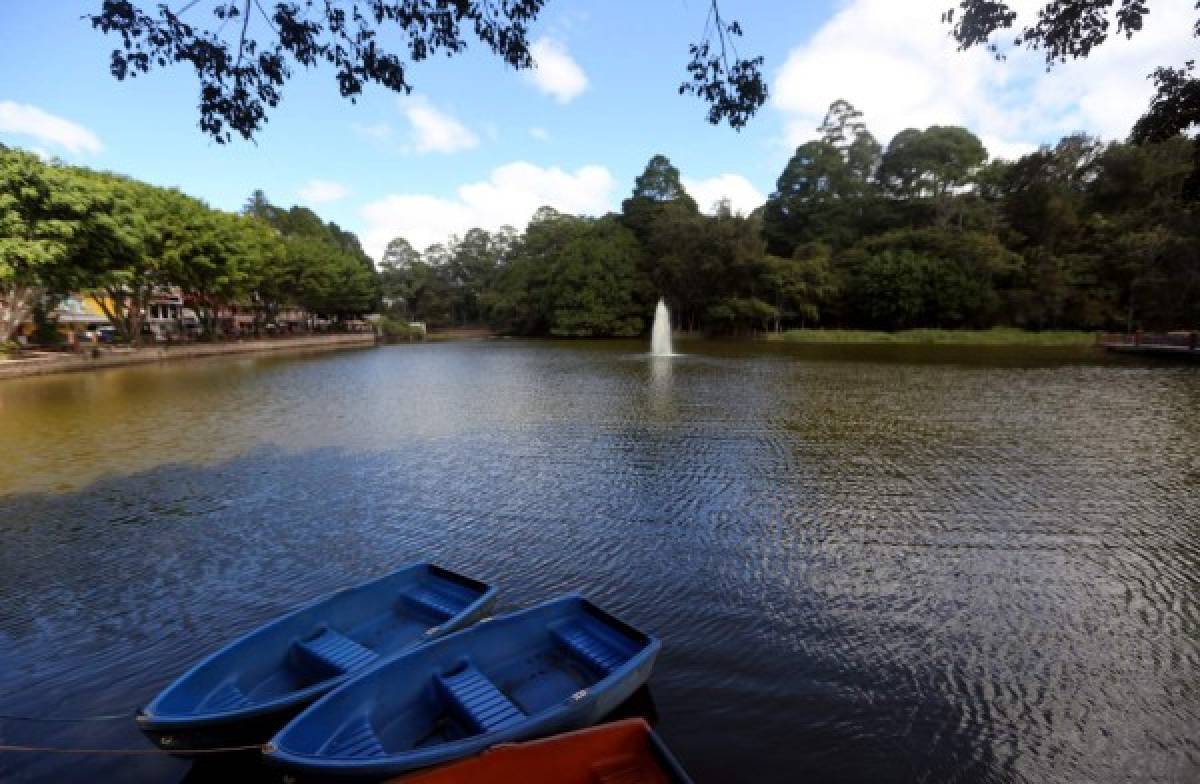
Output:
x=626 y=750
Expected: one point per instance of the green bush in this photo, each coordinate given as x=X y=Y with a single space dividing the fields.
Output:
x=999 y=336
x=395 y=330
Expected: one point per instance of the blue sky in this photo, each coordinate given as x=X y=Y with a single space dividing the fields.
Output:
x=480 y=144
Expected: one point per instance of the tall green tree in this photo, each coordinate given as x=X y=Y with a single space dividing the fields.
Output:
x=571 y=277
x=47 y=214
x=930 y=163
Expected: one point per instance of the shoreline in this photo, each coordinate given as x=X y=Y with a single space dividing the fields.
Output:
x=52 y=363
x=998 y=336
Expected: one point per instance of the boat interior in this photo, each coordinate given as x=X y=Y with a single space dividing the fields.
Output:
x=500 y=681
x=355 y=629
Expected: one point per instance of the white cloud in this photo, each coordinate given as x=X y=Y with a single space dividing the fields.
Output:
x=27 y=120
x=742 y=196
x=508 y=197
x=322 y=192
x=555 y=72
x=897 y=63
x=434 y=130
x=541 y=134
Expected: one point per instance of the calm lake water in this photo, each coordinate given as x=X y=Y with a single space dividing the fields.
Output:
x=866 y=563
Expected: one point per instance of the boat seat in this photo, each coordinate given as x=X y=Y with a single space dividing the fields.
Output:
x=477 y=701
x=356 y=739
x=433 y=602
x=227 y=697
x=598 y=653
x=336 y=651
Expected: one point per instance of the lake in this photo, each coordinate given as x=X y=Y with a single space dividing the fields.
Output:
x=888 y=563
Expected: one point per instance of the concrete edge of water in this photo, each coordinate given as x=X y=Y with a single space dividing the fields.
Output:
x=72 y=363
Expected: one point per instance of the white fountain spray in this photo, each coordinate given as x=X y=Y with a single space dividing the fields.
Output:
x=660 y=336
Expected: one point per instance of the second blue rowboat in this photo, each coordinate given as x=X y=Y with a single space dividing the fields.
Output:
x=246 y=691
x=558 y=666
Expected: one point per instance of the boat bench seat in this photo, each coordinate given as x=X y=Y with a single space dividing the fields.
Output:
x=477 y=701
x=226 y=698
x=356 y=740
x=438 y=604
x=336 y=651
x=599 y=653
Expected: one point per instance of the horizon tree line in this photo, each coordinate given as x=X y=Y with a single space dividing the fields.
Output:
x=925 y=232
x=67 y=228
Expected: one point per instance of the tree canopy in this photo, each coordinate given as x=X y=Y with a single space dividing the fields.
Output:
x=65 y=228
x=927 y=233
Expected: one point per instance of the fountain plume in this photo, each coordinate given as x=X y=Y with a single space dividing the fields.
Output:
x=660 y=335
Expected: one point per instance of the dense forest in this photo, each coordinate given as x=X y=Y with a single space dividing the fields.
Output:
x=923 y=233
x=64 y=228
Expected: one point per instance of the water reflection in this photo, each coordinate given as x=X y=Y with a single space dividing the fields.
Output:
x=864 y=569
x=661 y=369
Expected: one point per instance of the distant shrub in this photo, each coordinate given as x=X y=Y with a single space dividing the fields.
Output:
x=395 y=330
x=999 y=336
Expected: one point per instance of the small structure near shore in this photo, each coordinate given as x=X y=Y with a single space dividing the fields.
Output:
x=1184 y=345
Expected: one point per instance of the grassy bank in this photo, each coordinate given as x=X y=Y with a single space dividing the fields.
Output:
x=1001 y=336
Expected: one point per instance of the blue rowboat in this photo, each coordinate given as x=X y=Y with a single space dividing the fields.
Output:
x=558 y=666
x=246 y=691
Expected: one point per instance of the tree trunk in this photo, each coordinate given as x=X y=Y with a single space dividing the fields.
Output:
x=16 y=304
x=124 y=310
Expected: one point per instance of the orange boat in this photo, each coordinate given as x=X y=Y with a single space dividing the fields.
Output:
x=624 y=752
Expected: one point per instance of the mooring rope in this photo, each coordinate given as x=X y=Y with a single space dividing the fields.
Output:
x=69 y=719
x=106 y=717
x=138 y=752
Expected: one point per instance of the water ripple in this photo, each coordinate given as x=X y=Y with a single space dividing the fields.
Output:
x=881 y=568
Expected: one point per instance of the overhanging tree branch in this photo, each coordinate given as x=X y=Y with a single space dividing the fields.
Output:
x=238 y=91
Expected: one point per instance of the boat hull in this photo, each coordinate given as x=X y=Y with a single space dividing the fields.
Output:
x=560 y=666
x=626 y=751
x=244 y=692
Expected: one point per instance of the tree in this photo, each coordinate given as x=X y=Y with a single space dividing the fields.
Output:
x=316 y=265
x=1071 y=29
x=241 y=79
x=926 y=277
x=395 y=272
x=842 y=124
x=399 y=254
x=46 y=215
x=800 y=286
x=844 y=129
x=929 y=163
x=331 y=282
x=144 y=256
x=474 y=261
x=212 y=263
x=571 y=277
x=259 y=207
x=660 y=183
x=730 y=249
x=806 y=204
x=1174 y=110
